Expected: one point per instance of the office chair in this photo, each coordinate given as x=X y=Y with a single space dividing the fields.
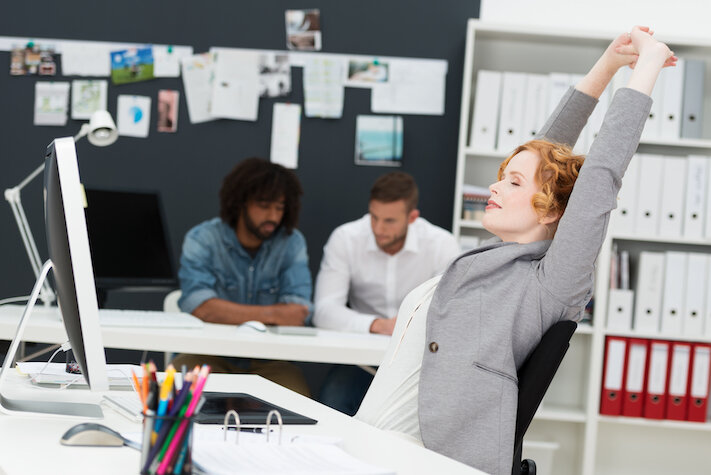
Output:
x=534 y=377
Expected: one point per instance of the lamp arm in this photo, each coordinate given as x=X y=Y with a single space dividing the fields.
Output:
x=83 y=131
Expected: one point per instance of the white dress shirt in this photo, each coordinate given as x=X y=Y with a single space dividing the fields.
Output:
x=355 y=271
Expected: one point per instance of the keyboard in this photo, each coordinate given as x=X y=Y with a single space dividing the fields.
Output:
x=128 y=405
x=147 y=319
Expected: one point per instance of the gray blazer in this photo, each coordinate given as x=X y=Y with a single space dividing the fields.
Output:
x=494 y=303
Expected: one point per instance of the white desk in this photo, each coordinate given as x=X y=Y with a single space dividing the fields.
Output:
x=30 y=445
x=44 y=326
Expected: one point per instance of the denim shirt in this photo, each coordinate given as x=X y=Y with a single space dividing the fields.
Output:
x=215 y=265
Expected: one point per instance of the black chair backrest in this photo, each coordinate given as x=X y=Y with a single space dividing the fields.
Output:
x=536 y=375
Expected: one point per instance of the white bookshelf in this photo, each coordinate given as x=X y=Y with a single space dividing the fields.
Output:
x=588 y=443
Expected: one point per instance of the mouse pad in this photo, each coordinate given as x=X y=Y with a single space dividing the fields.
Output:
x=251 y=410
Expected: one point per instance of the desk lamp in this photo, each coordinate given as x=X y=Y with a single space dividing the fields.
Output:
x=100 y=131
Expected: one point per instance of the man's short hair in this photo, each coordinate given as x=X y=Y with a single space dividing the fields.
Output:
x=395 y=186
x=260 y=180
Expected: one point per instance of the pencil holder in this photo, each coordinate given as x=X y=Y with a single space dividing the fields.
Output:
x=167 y=444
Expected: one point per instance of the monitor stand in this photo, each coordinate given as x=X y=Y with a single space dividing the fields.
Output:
x=20 y=406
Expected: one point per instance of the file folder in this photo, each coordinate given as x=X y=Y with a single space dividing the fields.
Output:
x=623 y=217
x=677 y=387
x=558 y=84
x=693 y=104
x=653 y=127
x=657 y=365
x=619 y=310
x=649 y=196
x=695 y=302
x=671 y=215
x=635 y=369
x=598 y=114
x=534 y=111
x=486 y=111
x=613 y=376
x=672 y=97
x=648 y=295
x=694 y=215
x=707 y=293
x=673 y=305
x=513 y=91
x=699 y=382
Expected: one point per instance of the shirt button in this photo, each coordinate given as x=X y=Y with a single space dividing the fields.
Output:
x=434 y=347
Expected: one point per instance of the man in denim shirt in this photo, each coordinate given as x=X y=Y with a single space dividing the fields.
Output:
x=249 y=264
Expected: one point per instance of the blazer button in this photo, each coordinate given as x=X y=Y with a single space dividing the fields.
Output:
x=434 y=347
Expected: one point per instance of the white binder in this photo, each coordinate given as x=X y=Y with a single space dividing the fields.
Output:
x=671 y=215
x=695 y=308
x=695 y=208
x=707 y=309
x=558 y=84
x=653 y=126
x=648 y=294
x=513 y=91
x=649 y=197
x=598 y=114
x=623 y=217
x=672 y=99
x=534 y=113
x=619 y=309
x=486 y=111
x=693 y=107
x=673 y=308
x=620 y=79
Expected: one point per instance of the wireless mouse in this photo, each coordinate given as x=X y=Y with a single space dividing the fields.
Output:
x=90 y=433
x=255 y=325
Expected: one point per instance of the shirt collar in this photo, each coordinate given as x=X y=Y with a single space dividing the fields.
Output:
x=412 y=244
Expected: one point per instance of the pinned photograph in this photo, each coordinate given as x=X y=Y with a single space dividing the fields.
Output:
x=51 y=103
x=274 y=75
x=134 y=115
x=367 y=73
x=379 y=140
x=88 y=97
x=33 y=60
x=168 y=110
x=132 y=65
x=303 y=30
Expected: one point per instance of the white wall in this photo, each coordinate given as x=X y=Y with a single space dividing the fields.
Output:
x=679 y=18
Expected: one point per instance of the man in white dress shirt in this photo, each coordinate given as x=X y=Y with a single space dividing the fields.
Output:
x=368 y=267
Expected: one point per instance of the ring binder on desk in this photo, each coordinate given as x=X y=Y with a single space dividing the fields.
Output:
x=237 y=425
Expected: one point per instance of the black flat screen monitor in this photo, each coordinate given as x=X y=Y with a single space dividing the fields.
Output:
x=128 y=239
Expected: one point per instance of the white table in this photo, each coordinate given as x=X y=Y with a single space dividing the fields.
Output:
x=44 y=326
x=30 y=445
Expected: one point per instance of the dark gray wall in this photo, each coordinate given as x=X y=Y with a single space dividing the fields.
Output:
x=187 y=167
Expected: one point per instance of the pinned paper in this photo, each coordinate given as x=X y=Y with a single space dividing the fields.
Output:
x=132 y=65
x=168 y=110
x=274 y=75
x=323 y=87
x=414 y=87
x=235 y=89
x=51 y=103
x=166 y=60
x=378 y=140
x=366 y=73
x=88 y=97
x=197 y=81
x=286 y=122
x=303 y=30
x=86 y=59
x=134 y=115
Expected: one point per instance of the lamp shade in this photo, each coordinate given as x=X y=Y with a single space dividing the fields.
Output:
x=102 y=129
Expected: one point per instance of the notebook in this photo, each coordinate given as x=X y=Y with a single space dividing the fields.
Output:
x=251 y=410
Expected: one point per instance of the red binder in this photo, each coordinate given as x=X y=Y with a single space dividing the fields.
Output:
x=613 y=376
x=635 y=371
x=655 y=393
x=699 y=382
x=677 y=386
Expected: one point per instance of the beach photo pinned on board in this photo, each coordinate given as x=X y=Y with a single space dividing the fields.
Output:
x=303 y=30
x=274 y=75
x=168 y=110
x=367 y=73
x=132 y=65
x=379 y=140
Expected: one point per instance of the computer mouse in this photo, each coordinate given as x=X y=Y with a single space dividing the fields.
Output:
x=90 y=433
x=255 y=325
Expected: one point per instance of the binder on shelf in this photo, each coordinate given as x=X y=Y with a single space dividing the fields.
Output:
x=648 y=196
x=648 y=294
x=694 y=214
x=673 y=305
x=635 y=370
x=622 y=219
x=677 y=395
x=671 y=215
x=707 y=293
x=598 y=114
x=672 y=97
x=619 y=309
x=486 y=111
x=693 y=104
x=534 y=112
x=699 y=382
x=695 y=302
x=613 y=376
x=558 y=84
x=653 y=126
x=582 y=145
x=620 y=79
x=657 y=369
x=513 y=90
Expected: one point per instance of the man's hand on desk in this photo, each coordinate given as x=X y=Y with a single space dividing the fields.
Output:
x=383 y=326
x=223 y=311
x=288 y=314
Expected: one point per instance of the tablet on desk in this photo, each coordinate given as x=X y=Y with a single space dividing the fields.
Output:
x=251 y=410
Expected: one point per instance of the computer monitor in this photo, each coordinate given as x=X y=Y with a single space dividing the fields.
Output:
x=129 y=243
x=68 y=246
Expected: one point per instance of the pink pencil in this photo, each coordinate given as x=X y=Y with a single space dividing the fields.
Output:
x=202 y=378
